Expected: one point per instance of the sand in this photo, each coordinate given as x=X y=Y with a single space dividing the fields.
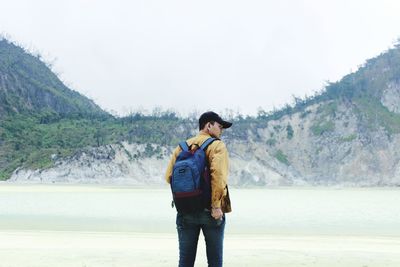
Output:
x=98 y=249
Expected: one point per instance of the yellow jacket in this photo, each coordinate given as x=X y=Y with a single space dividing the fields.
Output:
x=217 y=156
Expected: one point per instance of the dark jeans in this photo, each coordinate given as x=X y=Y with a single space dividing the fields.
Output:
x=188 y=226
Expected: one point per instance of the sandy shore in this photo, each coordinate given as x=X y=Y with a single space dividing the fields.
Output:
x=98 y=249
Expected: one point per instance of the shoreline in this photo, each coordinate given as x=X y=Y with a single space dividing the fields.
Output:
x=100 y=249
x=4 y=184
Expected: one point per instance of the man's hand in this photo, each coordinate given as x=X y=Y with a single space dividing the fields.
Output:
x=217 y=213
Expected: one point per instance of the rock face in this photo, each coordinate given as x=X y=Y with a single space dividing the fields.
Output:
x=391 y=97
x=114 y=164
x=314 y=147
x=331 y=150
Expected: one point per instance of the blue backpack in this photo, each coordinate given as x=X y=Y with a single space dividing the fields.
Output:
x=190 y=181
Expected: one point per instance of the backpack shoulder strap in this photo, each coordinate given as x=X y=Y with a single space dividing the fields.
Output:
x=207 y=143
x=184 y=146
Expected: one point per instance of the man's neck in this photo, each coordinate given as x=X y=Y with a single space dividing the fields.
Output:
x=204 y=132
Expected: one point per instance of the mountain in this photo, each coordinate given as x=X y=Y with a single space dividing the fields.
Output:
x=39 y=115
x=27 y=85
x=347 y=135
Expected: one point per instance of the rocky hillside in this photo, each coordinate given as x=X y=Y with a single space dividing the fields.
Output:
x=33 y=101
x=28 y=85
x=347 y=135
x=312 y=149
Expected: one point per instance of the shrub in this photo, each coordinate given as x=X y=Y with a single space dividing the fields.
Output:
x=279 y=155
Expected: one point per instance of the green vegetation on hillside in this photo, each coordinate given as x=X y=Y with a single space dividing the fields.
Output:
x=348 y=138
x=322 y=127
x=373 y=113
x=279 y=155
x=289 y=131
x=28 y=142
x=27 y=85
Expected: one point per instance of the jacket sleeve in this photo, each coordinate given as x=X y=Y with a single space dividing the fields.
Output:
x=171 y=164
x=219 y=168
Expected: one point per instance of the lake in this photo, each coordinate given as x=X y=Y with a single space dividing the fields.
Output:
x=87 y=225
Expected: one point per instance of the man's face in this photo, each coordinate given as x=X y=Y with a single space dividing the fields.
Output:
x=215 y=129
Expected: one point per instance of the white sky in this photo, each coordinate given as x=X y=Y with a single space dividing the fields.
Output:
x=199 y=55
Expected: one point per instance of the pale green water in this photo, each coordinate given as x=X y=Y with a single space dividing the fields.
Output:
x=269 y=211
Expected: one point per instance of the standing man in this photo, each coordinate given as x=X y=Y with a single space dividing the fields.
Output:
x=211 y=220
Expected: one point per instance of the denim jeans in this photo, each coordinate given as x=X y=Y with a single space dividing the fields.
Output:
x=188 y=226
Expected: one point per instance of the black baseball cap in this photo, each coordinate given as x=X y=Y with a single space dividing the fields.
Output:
x=212 y=116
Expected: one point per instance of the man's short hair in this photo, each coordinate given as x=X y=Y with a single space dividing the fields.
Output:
x=211 y=116
x=203 y=124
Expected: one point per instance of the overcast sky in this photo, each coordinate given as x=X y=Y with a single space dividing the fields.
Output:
x=200 y=55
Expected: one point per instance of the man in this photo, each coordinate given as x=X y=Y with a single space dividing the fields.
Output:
x=212 y=219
